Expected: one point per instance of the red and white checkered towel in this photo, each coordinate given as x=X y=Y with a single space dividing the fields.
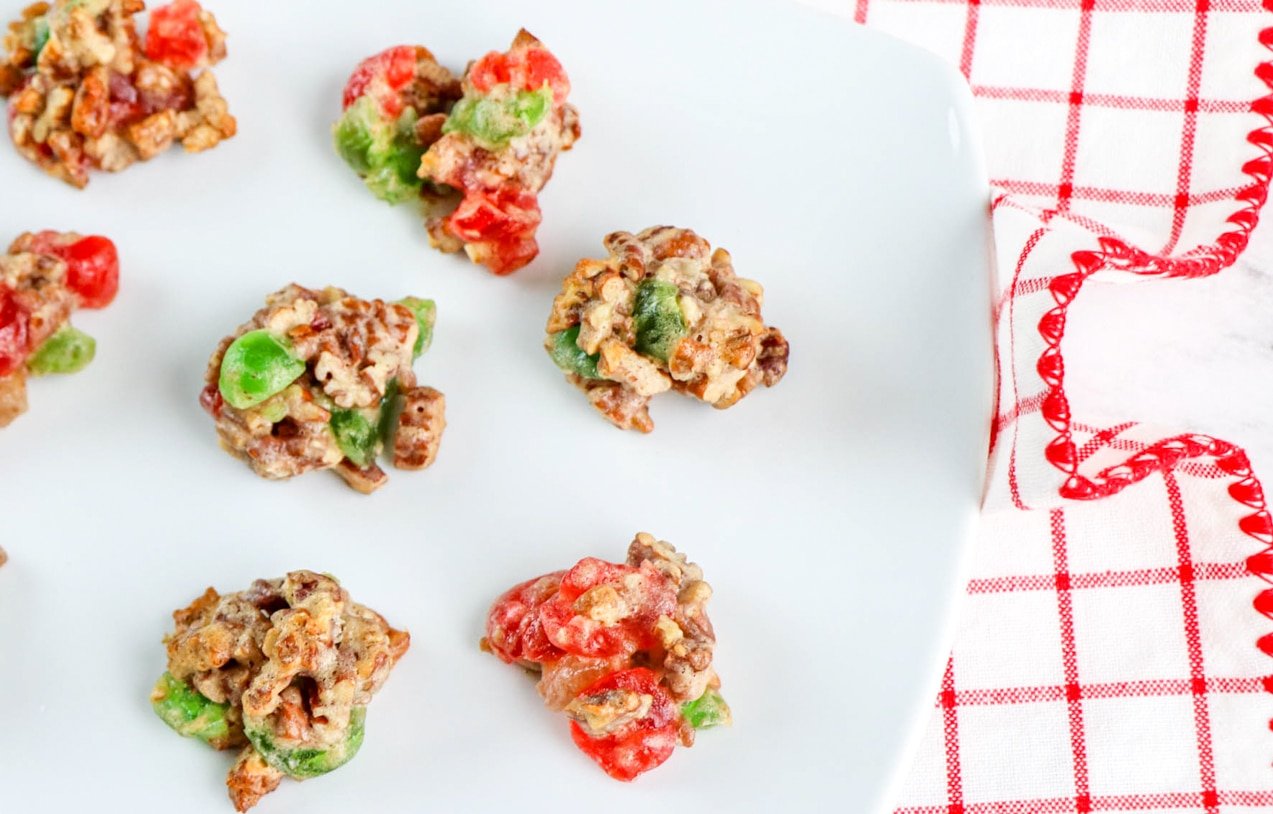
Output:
x=1108 y=655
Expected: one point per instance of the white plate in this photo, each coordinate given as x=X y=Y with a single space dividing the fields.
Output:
x=837 y=167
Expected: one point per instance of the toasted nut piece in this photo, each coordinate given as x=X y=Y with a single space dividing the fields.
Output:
x=420 y=427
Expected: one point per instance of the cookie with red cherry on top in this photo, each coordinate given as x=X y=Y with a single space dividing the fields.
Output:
x=475 y=150
x=88 y=91
x=44 y=277
x=623 y=649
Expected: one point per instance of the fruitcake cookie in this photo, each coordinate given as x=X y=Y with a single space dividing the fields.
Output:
x=476 y=151
x=43 y=278
x=87 y=92
x=283 y=671
x=323 y=380
x=662 y=312
x=625 y=650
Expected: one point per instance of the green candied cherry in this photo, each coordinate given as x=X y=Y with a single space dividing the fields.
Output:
x=390 y=411
x=187 y=711
x=383 y=152
x=354 y=134
x=657 y=318
x=41 y=36
x=67 y=351
x=426 y=314
x=302 y=762
x=392 y=177
x=706 y=711
x=256 y=366
x=493 y=122
x=357 y=437
x=571 y=358
x=531 y=106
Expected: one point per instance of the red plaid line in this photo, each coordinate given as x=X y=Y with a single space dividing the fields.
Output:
x=1120 y=689
x=1114 y=802
x=1181 y=204
x=1027 y=405
x=970 y=38
x=1074 y=114
x=1020 y=289
x=1199 y=571
x=950 y=724
x=1193 y=641
x=1109 y=6
x=1103 y=438
x=1116 y=196
x=1004 y=201
x=1069 y=659
x=1124 y=102
x=1013 y=484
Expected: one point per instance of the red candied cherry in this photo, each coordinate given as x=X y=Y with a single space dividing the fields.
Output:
x=14 y=332
x=506 y=219
x=395 y=65
x=175 y=37
x=625 y=722
x=542 y=67
x=92 y=265
x=508 y=256
x=513 y=629
x=525 y=69
x=126 y=104
x=488 y=215
x=604 y=609
x=211 y=400
x=92 y=270
x=489 y=71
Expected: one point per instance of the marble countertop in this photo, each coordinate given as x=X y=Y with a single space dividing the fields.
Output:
x=1190 y=355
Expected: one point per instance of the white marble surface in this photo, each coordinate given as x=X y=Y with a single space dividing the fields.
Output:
x=1191 y=355
x=1188 y=355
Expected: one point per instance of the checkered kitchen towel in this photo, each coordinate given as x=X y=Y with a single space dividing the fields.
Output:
x=1113 y=648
